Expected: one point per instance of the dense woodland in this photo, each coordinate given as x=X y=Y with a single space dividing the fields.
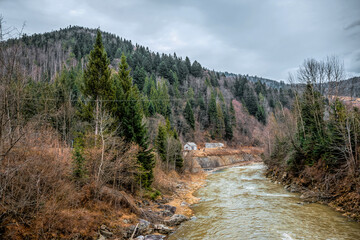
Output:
x=166 y=83
x=90 y=121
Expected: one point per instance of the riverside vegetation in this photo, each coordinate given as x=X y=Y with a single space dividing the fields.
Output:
x=92 y=128
x=315 y=147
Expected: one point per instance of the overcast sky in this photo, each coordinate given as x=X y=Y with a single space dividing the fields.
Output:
x=266 y=38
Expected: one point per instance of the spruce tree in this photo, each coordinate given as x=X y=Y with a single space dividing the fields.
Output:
x=151 y=110
x=129 y=115
x=163 y=70
x=228 y=126
x=163 y=96
x=188 y=64
x=183 y=71
x=98 y=85
x=139 y=77
x=311 y=142
x=79 y=169
x=191 y=96
x=232 y=115
x=169 y=147
x=160 y=142
x=196 y=69
x=212 y=112
x=250 y=100
x=220 y=125
x=336 y=130
x=189 y=115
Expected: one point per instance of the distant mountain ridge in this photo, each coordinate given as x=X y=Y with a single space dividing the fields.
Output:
x=79 y=40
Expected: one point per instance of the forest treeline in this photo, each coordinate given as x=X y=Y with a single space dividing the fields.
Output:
x=166 y=83
x=316 y=143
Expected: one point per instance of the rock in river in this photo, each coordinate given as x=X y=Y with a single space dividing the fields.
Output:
x=163 y=229
x=175 y=220
x=154 y=237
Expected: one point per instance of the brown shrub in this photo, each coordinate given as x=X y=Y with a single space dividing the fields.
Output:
x=165 y=182
x=39 y=198
x=117 y=166
x=32 y=176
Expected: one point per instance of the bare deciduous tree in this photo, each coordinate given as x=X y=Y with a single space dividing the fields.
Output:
x=12 y=83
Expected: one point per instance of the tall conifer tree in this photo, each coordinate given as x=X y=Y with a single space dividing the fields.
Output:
x=128 y=111
x=189 y=115
x=98 y=85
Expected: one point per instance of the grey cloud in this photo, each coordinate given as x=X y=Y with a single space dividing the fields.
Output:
x=264 y=38
x=352 y=25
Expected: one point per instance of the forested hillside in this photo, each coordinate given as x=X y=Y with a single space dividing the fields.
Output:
x=197 y=102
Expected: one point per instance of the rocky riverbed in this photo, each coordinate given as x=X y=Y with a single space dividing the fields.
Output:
x=160 y=218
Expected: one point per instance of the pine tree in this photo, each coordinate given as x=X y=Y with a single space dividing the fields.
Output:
x=98 y=85
x=212 y=112
x=335 y=131
x=169 y=147
x=160 y=142
x=163 y=70
x=183 y=71
x=228 y=126
x=188 y=64
x=220 y=125
x=139 y=77
x=152 y=110
x=214 y=80
x=79 y=170
x=196 y=69
x=239 y=87
x=191 y=96
x=232 y=115
x=66 y=93
x=189 y=115
x=311 y=139
x=164 y=103
x=129 y=115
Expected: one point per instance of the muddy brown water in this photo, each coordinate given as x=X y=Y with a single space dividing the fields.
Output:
x=240 y=203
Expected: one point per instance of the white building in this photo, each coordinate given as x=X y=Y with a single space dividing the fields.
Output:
x=214 y=145
x=190 y=146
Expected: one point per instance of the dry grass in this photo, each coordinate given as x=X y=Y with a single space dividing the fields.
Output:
x=165 y=182
x=39 y=198
x=226 y=151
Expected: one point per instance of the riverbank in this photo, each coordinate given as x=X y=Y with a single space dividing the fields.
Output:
x=208 y=159
x=341 y=194
x=161 y=216
x=175 y=207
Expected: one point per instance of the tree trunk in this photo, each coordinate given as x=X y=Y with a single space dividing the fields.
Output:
x=96 y=118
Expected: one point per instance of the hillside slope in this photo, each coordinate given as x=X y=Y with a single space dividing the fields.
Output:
x=166 y=82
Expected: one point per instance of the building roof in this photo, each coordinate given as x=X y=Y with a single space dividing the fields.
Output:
x=190 y=144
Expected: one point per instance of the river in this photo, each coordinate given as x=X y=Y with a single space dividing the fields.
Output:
x=240 y=203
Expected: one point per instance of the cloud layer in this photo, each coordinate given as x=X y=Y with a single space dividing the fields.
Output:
x=266 y=38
